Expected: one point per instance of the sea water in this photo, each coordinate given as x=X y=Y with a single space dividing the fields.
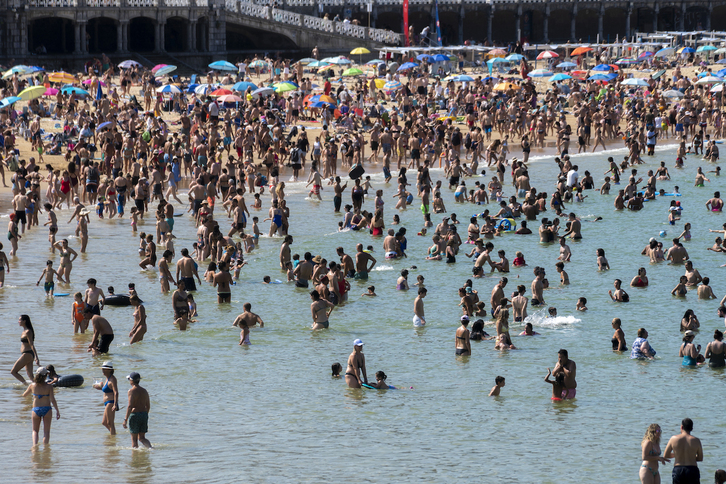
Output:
x=271 y=412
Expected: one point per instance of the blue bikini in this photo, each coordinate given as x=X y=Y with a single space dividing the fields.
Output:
x=41 y=411
x=106 y=389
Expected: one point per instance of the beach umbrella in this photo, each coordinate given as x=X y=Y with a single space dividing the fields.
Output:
x=320 y=104
x=497 y=60
x=30 y=93
x=658 y=74
x=721 y=73
x=505 y=86
x=425 y=57
x=495 y=52
x=514 y=58
x=706 y=48
x=75 y=90
x=220 y=92
x=88 y=82
x=717 y=88
x=665 y=52
x=284 y=87
x=127 y=64
x=229 y=98
x=599 y=77
x=374 y=62
x=462 y=78
x=645 y=55
x=673 y=93
x=243 y=86
x=580 y=51
x=441 y=58
x=360 y=51
x=602 y=67
x=51 y=91
x=339 y=61
x=258 y=64
x=566 y=65
x=307 y=60
x=165 y=70
x=379 y=83
x=203 y=89
x=635 y=81
x=223 y=65
x=709 y=80
x=352 y=72
x=406 y=66
x=547 y=54
x=157 y=67
x=703 y=74
x=721 y=61
x=168 y=89
x=103 y=126
x=392 y=86
x=685 y=50
x=625 y=61
x=263 y=91
x=9 y=101
x=323 y=98
x=539 y=73
x=319 y=64
x=19 y=69
x=33 y=70
x=61 y=77
x=559 y=77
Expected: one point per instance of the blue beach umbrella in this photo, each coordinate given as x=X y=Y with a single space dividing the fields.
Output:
x=566 y=65
x=514 y=58
x=9 y=101
x=243 y=86
x=602 y=67
x=425 y=57
x=559 y=77
x=406 y=66
x=441 y=58
x=75 y=90
x=165 y=70
x=222 y=66
x=721 y=73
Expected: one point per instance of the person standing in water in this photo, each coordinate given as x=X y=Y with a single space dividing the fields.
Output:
x=110 y=397
x=139 y=330
x=137 y=412
x=356 y=366
x=686 y=451
x=27 y=351
x=418 y=308
x=567 y=367
x=715 y=351
x=650 y=450
x=462 y=342
x=43 y=403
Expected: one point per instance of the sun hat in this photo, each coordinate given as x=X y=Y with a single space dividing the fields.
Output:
x=107 y=365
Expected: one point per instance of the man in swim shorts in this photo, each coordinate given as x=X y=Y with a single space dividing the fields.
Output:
x=137 y=412
x=186 y=270
x=361 y=263
x=567 y=367
x=102 y=333
x=687 y=452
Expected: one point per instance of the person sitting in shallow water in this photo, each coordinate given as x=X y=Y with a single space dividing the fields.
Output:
x=380 y=383
x=528 y=331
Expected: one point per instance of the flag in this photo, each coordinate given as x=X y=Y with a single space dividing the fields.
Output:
x=405 y=21
x=438 y=24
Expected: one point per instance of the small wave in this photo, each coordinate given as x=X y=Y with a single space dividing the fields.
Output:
x=541 y=319
x=383 y=267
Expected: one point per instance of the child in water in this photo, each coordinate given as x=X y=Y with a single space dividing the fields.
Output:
x=380 y=383
x=192 y=307
x=581 y=304
x=371 y=292
x=337 y=368
x=498 y=385
x=558 y=385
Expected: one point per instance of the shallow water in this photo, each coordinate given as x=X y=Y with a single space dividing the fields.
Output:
x=271 y=413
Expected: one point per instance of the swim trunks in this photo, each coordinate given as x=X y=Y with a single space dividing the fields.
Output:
x=418 y=322
x=138 y=422
x=361 y=276
x=391 y=255
x=48 y=286
x=686 y=475
x=569 y=393
x=94 y=309
x=301 y=283
x=189 y=284
x=104 y=343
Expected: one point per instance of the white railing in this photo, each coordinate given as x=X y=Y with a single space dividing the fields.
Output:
x=317 y=23
x=349 y=29
x=52 y=3
x=103 y=3
x=176 y=3
x=141 y=3
x=232 y=5
x=286 y=17
x=252 y=10
x=202 y=3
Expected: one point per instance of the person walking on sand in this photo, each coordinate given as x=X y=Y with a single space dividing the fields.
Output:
x=137 y=412
x=686 y=451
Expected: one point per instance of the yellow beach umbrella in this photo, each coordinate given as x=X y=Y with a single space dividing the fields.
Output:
x=505 y=86
x=31 y=93
x=379 y=83
x=61 y=77
x=359 y=51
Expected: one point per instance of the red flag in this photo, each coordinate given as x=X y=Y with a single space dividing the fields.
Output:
x=405 y=21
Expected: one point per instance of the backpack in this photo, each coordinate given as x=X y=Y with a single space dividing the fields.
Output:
x=294 y=156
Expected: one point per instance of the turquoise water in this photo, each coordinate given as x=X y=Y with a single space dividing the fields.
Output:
x=271 y=413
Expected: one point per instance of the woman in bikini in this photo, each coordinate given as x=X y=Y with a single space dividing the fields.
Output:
x=27 y=350
x=650 y=449
x=356 y=366
x=110 y=397
x=66 y=262
x=43 y=398
x=462 y=342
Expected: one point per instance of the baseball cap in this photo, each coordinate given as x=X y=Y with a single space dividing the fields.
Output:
x=133 y=376
x=465 y=318
x=358 y=342
x=41 y=371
